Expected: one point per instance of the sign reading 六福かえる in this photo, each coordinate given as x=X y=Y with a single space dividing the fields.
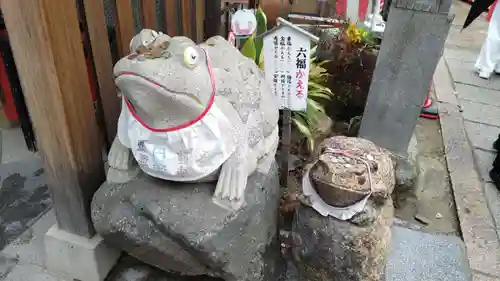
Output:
x=286 y=65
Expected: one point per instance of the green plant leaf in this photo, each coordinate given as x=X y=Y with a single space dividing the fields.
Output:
x=320 y=64
x=318 y=94
x=315 y=86
x=316 y=70
x=315 y=105
x=261 y=61
x=248 y=49
x=261 y=28
x=304 y=129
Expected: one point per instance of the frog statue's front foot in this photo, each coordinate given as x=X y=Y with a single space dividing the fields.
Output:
x=122 y=165
x=230 y=188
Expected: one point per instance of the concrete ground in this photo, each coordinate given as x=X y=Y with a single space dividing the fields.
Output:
x=470 y=122
x=13 y=147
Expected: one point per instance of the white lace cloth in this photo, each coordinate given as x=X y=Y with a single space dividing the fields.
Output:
x=187 y=154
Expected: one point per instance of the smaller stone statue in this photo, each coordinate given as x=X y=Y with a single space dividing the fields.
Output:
x=193 y=113
x=346 y=237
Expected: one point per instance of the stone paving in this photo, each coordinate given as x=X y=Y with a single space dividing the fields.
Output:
x=470 y=121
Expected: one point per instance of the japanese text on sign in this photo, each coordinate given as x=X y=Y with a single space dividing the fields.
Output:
x=287 y=59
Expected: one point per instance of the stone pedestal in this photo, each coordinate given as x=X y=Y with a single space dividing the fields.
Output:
x=355 y=248
x=176 y=227
x=330 y=249
x=78 y=257
x=413 y=43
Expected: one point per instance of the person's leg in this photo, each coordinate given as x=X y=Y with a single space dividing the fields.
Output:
x=495 y=171
x=489 y=57
x=385 y=10
x=430 y=109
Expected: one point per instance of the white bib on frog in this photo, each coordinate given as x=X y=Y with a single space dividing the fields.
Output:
x=187 y=154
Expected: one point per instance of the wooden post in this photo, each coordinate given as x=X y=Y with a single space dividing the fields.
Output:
x=200 y=17
x=413 y=43
x=48 y=51
x=103 y=64
x=148 y=14
x=124 y=25
x=186 y=18
x=212 y=18
x=286 y=141
x=171 y=18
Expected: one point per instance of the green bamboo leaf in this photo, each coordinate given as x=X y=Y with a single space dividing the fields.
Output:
x=318 y=94
x=303 y=128
x=302 y=125
x=315 y=105
x=261 y=61
x=248 y=49
x=314 y=85
x=261 y=28
x=323 y=63
x=302 y=115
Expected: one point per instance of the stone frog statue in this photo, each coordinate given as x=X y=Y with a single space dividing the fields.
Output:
x=193 y=113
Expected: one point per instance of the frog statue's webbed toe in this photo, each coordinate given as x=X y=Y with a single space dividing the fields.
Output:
x=122 y=166
x=230 y=189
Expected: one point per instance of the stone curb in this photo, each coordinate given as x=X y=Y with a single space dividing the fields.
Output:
x=475 y=219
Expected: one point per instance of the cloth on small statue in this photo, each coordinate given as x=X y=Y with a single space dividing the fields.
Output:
x=325 y=209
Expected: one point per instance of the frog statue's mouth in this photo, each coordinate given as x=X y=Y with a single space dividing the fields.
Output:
x=159 y=108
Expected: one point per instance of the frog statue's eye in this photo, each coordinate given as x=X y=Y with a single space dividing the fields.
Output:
x=191 y=57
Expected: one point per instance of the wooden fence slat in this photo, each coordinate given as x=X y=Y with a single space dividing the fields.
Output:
x=212 y=23
x=148 y=14
x=103 y=63
x=47 y=47
x=200 y=17
x=171 y=17
x=186 y=18
x=124 y=25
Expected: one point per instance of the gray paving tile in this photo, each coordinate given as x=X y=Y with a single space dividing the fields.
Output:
x=470 y=39
x=463 y=72
x=14 y=146
x=29 y=247
x=460 y=54
x=493 y=198
x=443 y=85
x=482 y=277
x=482 y=135
x=476 y=222
x=484 y=162
x=418 y=256
x=6 y=266
x=481 y=113
x=27 y=272
x=478 y=94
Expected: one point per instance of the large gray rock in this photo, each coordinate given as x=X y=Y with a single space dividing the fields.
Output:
x=405 y=172
x=330 y=249
x=131 y=269
x=177 y=227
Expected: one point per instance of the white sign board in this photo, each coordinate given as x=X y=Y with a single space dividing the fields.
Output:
x=286 y=65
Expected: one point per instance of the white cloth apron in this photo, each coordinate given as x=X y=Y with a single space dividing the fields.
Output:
x=187 y=154
x=489 y=58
